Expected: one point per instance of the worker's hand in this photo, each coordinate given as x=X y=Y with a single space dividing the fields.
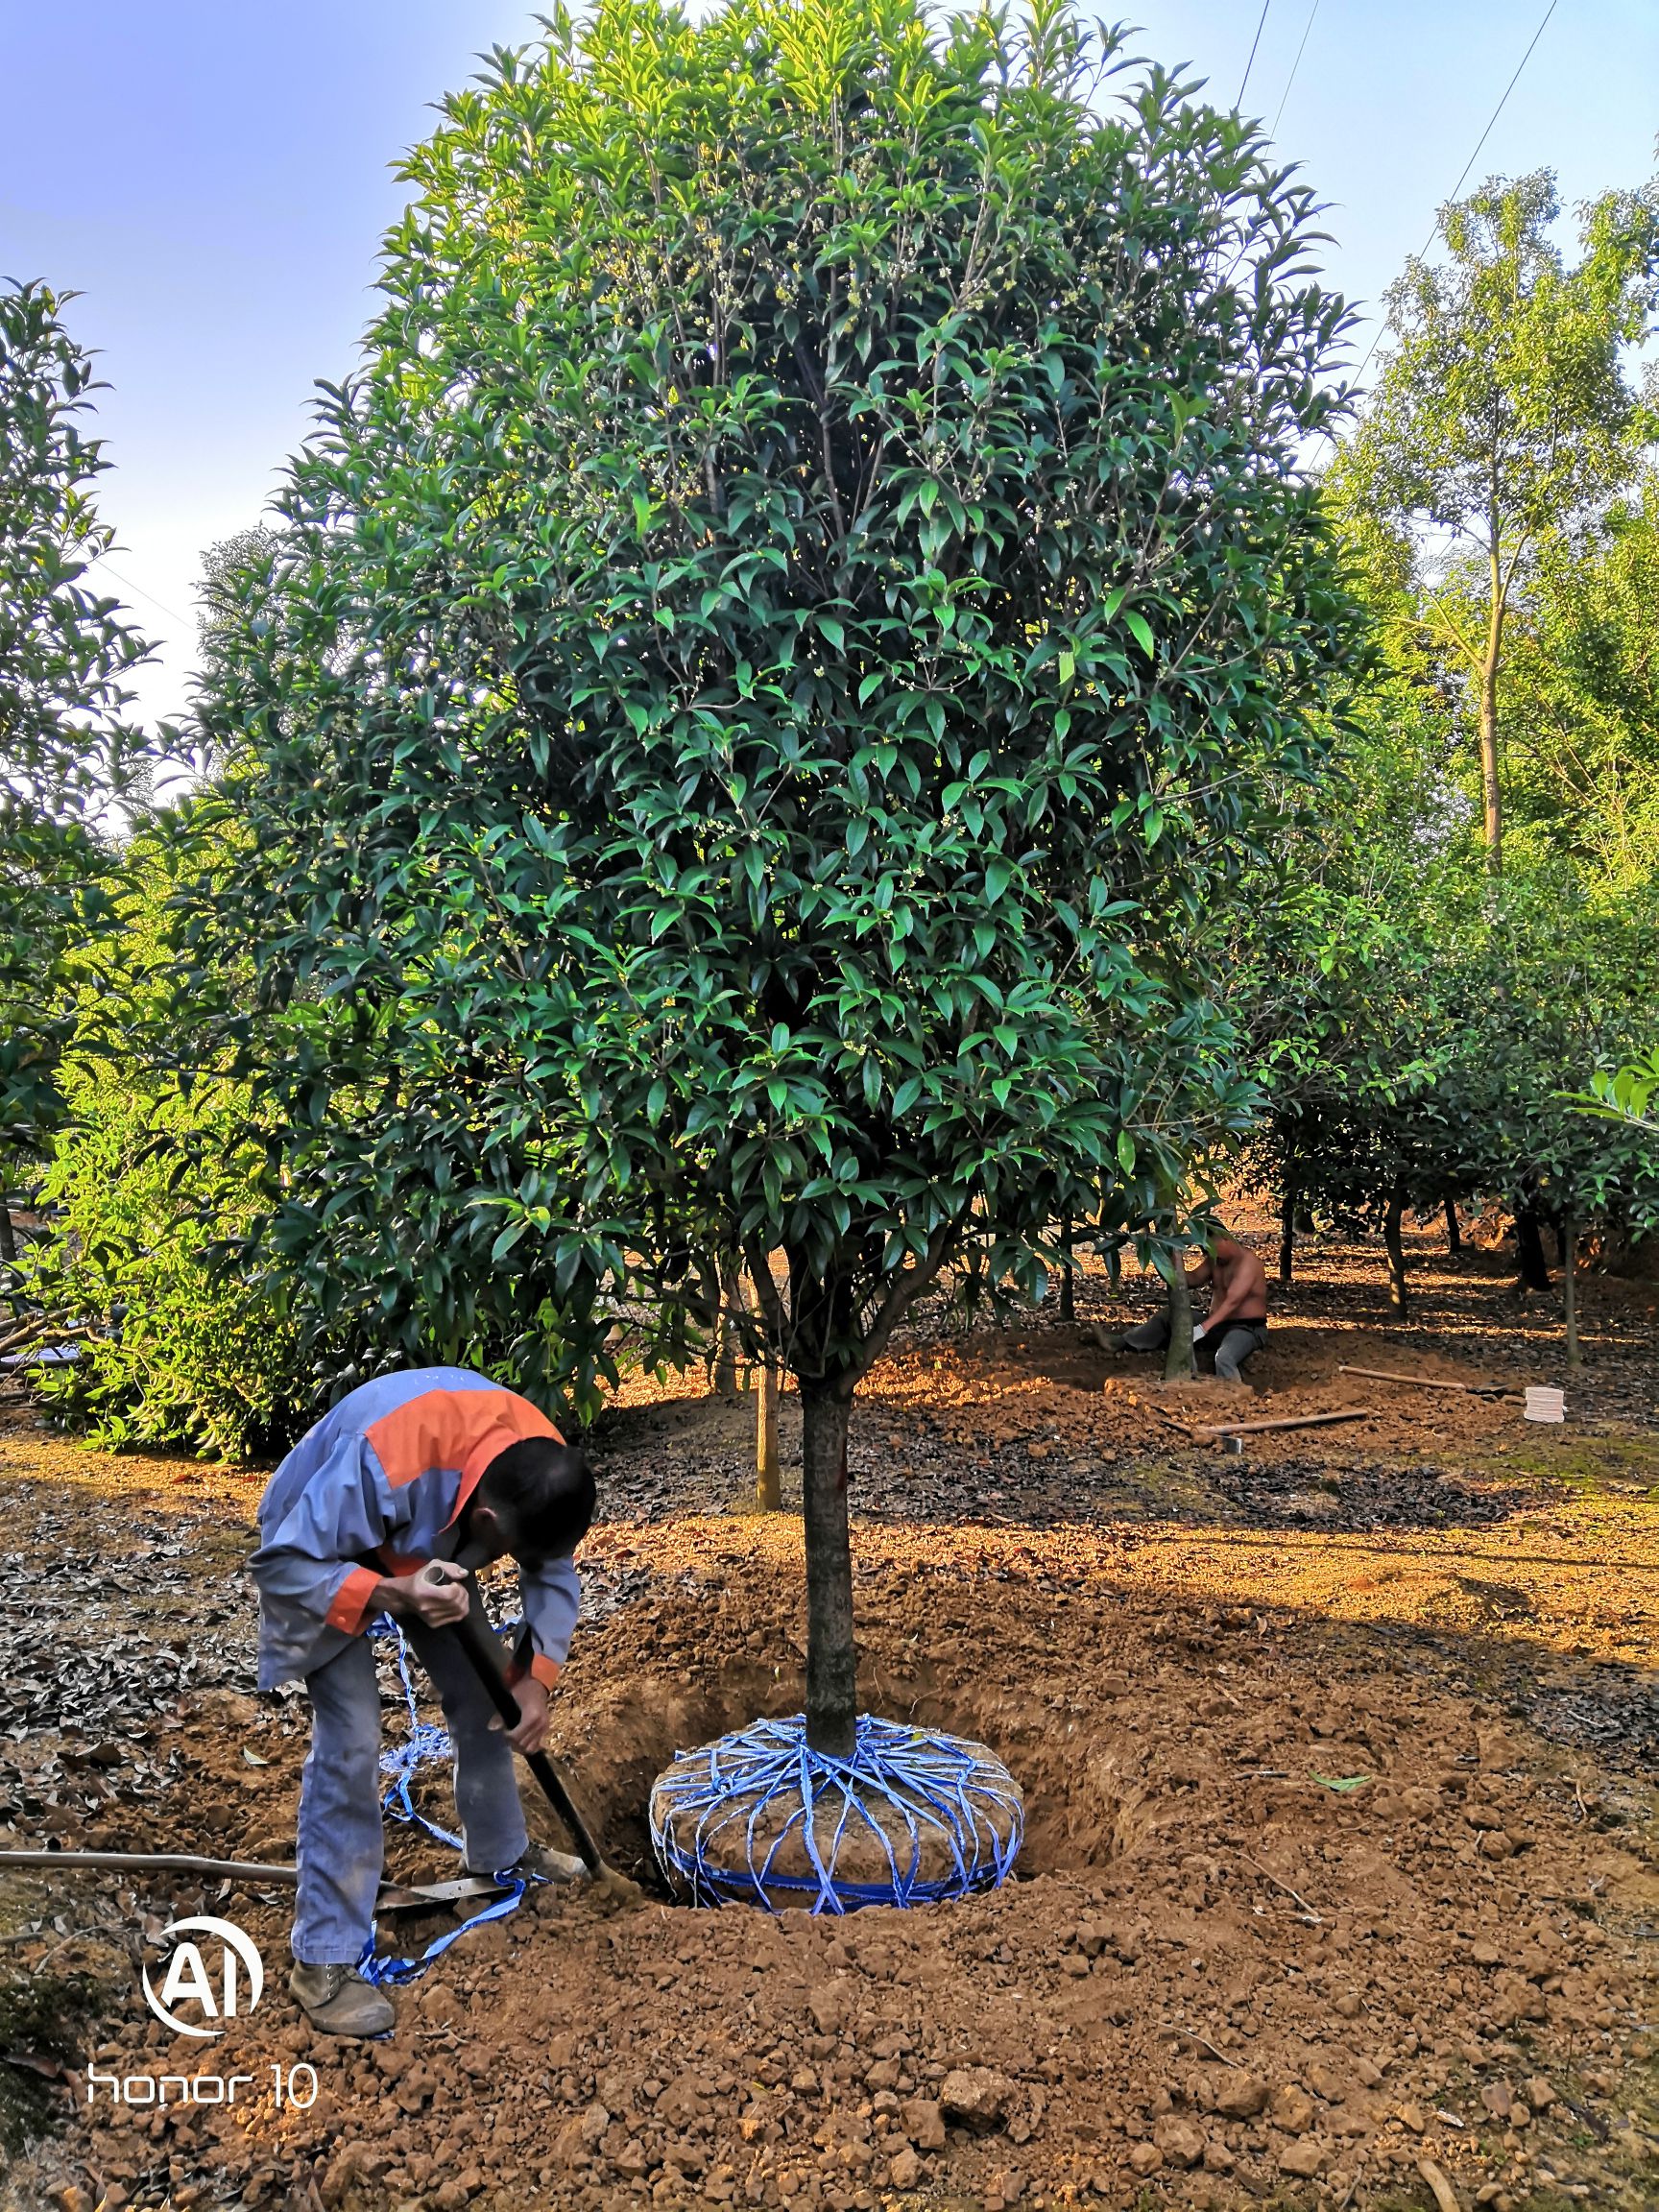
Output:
x=1198 y=1331
x=531 y=1733
x=436 y=1594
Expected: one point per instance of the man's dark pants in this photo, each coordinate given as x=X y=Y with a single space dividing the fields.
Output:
x=1235 y=1342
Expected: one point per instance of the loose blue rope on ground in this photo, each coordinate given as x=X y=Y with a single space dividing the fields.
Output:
x=424 y=1744
x=714 y=1808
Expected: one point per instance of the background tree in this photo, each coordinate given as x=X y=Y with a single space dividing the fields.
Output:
x=230 y=567
x=68 y=756
x=1583 y=685
x=151 y=1183
x=769 y=677
x=1504 y=409
x=1412 y=1023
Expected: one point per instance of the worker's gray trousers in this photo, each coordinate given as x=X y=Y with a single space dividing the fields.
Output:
x=341 y=1844
x=1235 y=1342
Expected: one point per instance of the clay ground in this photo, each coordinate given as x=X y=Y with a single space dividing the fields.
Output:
x=1339 y=1886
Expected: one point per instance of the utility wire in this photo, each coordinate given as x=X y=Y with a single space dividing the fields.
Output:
x=1499 y=110
x=1254 y=44
x=1273 y=129
x=1470 y=163
x=172 y=613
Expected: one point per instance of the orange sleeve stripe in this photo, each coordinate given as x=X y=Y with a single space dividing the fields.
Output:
x=354 y=1601
x=403 y=1562
x=545 y=1670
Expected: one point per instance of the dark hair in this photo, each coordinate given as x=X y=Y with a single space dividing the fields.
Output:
x=543 y=1493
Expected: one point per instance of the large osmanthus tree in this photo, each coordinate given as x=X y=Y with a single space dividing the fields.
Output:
x=69 y=752
x=808 y=614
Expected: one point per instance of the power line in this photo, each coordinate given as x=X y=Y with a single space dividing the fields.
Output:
x=1254 y=44
x=1273 y=129
x=1470 y=163
x=1499 y=110
x=172 y=613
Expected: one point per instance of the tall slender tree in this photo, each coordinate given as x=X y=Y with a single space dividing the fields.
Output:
x=1505 y=408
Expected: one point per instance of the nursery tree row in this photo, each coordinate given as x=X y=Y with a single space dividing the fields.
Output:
x=1476 y=924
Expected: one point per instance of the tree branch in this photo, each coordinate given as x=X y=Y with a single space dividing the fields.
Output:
x=907 y=1287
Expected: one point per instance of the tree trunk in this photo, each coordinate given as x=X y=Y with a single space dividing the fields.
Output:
x=1067 y=1295
x=1396 y=1249
x=831 y=1703
x=768 y=1482
x=1178 y=1361
x=1288 y=1236
x=724 y=1373
x=1570 y=1285
x=7 y=1241
x=1453 y=1229
x=1491 y=794
x=1529 y=1249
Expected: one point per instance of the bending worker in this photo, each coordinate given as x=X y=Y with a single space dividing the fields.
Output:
x=437 y=1464
x=1236 y=1323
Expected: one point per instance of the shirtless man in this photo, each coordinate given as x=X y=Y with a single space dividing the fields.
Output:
x=1236 y=1323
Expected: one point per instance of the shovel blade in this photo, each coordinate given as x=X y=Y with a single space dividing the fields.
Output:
x=414 y=1896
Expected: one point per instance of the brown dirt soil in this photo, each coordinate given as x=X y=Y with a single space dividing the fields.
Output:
x=1338 y=1763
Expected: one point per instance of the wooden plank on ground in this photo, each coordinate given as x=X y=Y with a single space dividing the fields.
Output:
x=1288 y=1421
x=1427 y=1381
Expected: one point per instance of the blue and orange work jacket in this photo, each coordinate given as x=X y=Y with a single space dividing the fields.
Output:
x=385 y=1474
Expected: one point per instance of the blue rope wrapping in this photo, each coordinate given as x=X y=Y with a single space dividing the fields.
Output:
x=424 y=1744
x=707 y=1809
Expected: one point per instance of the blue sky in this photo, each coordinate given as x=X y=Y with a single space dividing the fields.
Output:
x=213 y=175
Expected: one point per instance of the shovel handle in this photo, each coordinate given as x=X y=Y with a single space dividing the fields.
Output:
x=483 y=1650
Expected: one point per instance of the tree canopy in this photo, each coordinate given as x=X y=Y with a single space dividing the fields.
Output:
x=1417 y=1028
x=768 y=676
x=69 y=753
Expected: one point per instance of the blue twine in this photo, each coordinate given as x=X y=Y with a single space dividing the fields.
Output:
x=707 y=1807
x=424 y=1744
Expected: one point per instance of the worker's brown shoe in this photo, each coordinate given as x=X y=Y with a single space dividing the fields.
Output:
x=341 y=2002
